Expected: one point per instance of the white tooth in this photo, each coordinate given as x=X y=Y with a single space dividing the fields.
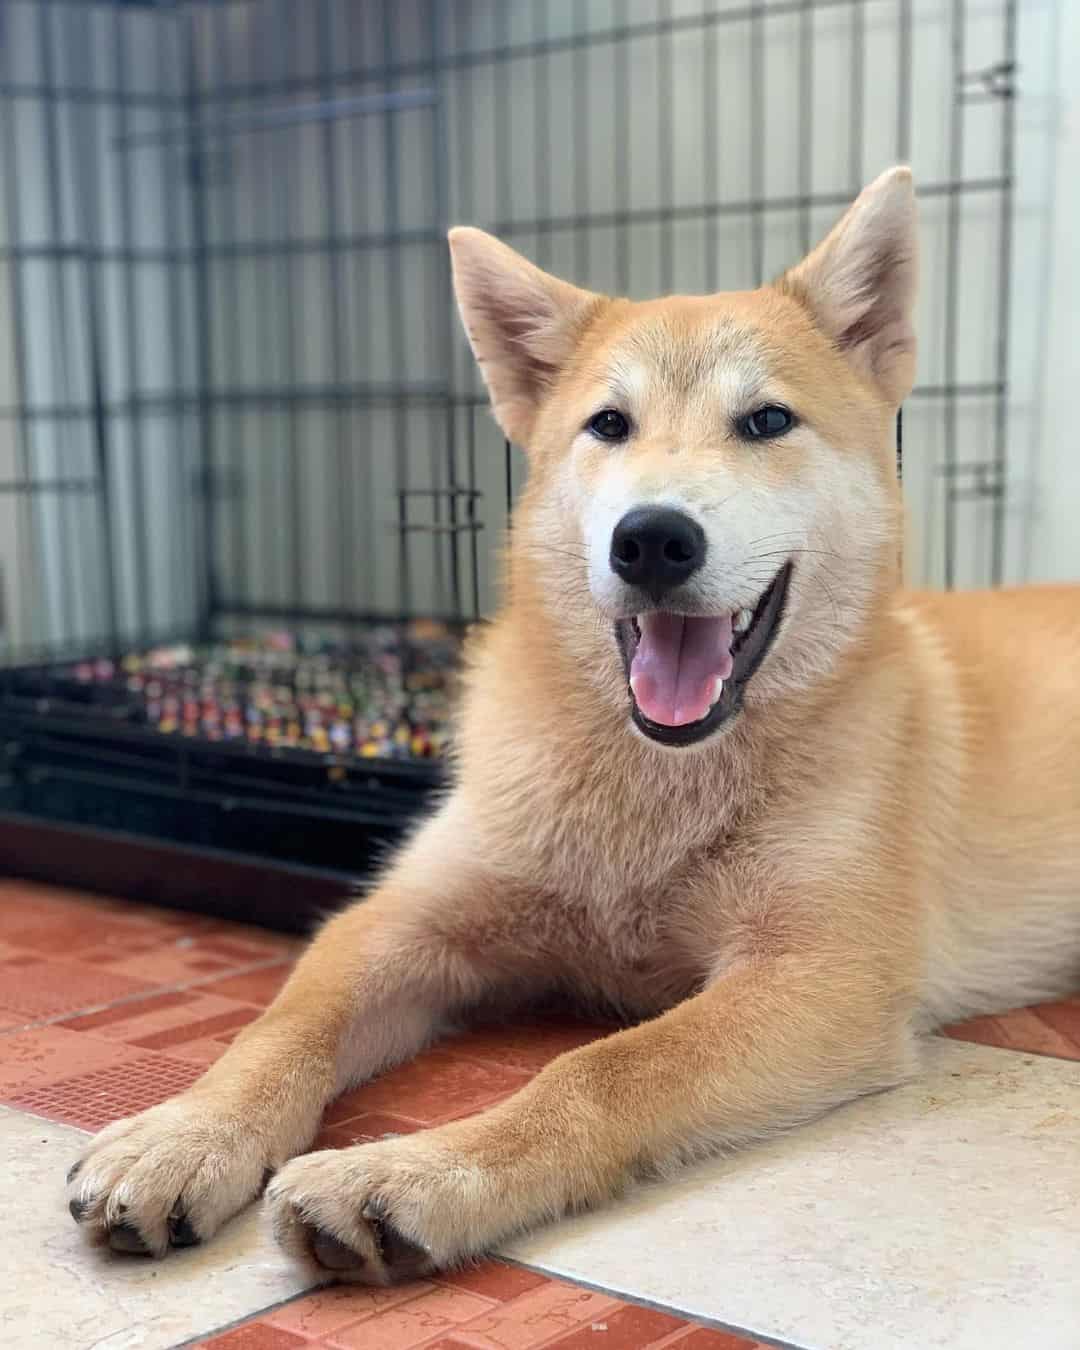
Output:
x=634 y=680
x=742 y=620
x=718 y=689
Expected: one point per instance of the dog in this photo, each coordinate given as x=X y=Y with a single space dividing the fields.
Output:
x=715 y=771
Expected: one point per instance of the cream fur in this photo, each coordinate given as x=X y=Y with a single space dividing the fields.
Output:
x=887 y=837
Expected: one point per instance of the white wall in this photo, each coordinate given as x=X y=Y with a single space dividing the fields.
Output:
x=1044 y=437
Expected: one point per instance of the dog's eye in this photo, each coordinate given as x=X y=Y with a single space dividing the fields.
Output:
x=609 y=425
x=767 y=422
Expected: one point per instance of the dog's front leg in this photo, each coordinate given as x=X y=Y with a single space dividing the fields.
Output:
x=370 y=991
x=764 y=1046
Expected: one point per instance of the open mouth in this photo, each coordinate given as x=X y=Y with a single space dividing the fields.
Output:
x=687 y=673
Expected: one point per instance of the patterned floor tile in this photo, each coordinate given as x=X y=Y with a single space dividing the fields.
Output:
x=33 y=991
x=94 y=1099
x=1046 y=1029
x=526 y=1047
x=413 y=1322
x=30 y=1060
x=258 y=986
x=630 y=1328
x=331 y=1310
x=365 y=1129
x=434 y=1087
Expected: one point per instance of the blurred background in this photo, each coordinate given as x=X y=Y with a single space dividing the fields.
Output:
x=233 y=390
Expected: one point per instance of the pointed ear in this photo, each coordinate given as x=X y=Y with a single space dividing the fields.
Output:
x=859 y=283
x=521 y=323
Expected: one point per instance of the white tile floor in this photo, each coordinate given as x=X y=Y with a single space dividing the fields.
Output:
x=945 y=1214
x=56 y=1293
x=942 y=1216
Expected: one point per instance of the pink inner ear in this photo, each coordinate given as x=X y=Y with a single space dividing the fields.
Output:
x=522 y=324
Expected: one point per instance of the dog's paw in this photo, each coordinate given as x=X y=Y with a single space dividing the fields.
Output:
x=380 y=1213
x=169 y=1177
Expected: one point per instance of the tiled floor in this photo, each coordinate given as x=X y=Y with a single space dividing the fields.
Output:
x=837 y=1237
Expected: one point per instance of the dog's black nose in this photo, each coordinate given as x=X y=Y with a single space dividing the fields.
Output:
x=656 y=548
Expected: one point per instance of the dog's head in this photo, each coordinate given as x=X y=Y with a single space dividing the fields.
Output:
x=712 y=511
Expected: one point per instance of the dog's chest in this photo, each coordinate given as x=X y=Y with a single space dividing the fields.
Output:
x=629 y=954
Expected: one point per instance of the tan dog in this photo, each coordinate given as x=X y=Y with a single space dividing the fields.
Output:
x=825 y=816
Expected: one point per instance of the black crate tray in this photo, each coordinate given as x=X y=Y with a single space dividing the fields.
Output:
x=298 y=756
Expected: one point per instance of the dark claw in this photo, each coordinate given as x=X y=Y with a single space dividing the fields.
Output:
x=181 y=1233
x=74 y=1171
x=77 y=1209
x=332 y=1254
x=396 y=1250
x=125 y=1237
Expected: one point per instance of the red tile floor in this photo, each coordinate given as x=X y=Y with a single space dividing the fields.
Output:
x=108 y=1007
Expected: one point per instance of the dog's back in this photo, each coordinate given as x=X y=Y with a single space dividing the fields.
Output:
x=1001 y=825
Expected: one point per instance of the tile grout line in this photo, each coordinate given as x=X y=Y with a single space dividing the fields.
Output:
x=732 y=1328
x=1006 y=1049
x=695 y=1320
x=251 y=968
x=202 y=1336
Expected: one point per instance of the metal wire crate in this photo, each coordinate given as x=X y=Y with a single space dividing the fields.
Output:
x=235 y=398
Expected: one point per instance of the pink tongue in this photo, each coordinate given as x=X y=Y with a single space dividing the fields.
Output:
x=676 y=666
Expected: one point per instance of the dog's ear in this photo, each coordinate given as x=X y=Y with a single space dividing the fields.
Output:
x=521 y=323
x=859 y=283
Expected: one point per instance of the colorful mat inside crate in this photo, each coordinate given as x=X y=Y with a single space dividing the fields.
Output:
x=382 y=693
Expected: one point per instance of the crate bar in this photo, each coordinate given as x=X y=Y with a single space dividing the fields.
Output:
x=79 y=94
x=579 y=92
x=806 y=121
x=665 y=143
x=444 y=296
x=82 y=252
x=205 y=353
x=132 y=346
x=318 y=396
x=47 y=485
x=344 y=243
x=904 y=83
x=89 y=183
x=271 y=522
x=622 y=162
x=623 y=215
x=27 y=545
x=710 y=146
x=167 y=63
x=745 y=206
x=550 y=46
x=858 y=93
x=328 y=110
x=234 y=449
x=1005 y=245
x=542 y=116
x=283 y=198
x=337 y=327
x=757 y=141
x=956 y=167
x=67 y=565
x=620 y=217
x=391 y=174
x=504 y=199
